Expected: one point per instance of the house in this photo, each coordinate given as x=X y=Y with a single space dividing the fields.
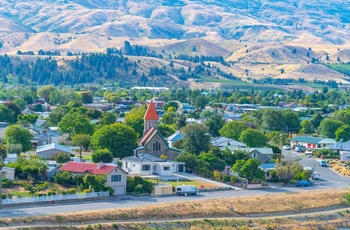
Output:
x=311 y=142
x=186 y=107
x=11 y=158
x=152 y=141
x=268 y=168
x=339 y=146
x=177 y=136
x=40 y=139
x=51 y=150
x=41 y=123
x=100 y=106
x=116 y=176
x=157 y=103
x=223 y=141
x=262 y=154
x=145 y=164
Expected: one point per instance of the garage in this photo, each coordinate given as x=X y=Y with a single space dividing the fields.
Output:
x=120 y=190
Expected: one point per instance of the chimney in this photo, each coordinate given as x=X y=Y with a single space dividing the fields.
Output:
x=100 y=165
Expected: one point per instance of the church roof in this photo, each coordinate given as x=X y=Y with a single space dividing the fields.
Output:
x=151 y=113
x=148 y=136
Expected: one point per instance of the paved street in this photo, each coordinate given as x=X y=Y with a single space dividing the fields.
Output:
x=328 y=179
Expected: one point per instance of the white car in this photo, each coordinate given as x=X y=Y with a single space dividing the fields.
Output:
x=286 y=147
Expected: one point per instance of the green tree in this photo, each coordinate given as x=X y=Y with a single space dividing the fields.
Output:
x=215 y=123
x=168 y=118
x=275 y=138
x=62 y=158
x=134 y=119
x=243 y=100
x=307 y=127
x=113 y=98
x=253 y=138
x=86 y=97
x=249 y=169
x=169 y=104
x=6 y=114
x=166 y=130
x=107 y=118
x=200 y=102
x=28 y=118
x=181 y=121
x=45 y=92
x=343 y=133
x=3 y=152
x=83 y=141
x=233 y=129
x=75 y=123
x=102 y=155
x=15 y=148
x=63 y=178
x=273 y=120
x=316 y=120
x=57 y=114
x=196 y=138
x=97 y=182
x=16 y=134
x=343 y=116
x=328 y=127
x=14 y=107
x=118 y=138
x=20 y=102
x=214 y=162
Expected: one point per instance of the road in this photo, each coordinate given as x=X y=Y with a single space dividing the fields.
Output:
x=328 y=179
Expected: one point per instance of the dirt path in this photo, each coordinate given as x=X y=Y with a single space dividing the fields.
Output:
x=314 y=212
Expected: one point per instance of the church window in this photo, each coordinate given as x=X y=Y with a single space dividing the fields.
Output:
x=156 y=146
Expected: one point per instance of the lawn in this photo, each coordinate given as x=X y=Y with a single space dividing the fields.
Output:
x=197 y=183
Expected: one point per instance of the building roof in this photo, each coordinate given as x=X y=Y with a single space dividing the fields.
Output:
x=339 y=146
x=148 y=136
x=264 y=151
x=40 y=122
x=151 y=113
x=53 y=146
x=223 y=141
x=81 y=167
x=144 y=157
x=268 y=166
x=312 y=140
x=176 y=136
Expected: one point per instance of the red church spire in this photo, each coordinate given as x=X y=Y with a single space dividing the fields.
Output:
x=151 y=113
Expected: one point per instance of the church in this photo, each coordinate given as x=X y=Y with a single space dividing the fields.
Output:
x=152 y=142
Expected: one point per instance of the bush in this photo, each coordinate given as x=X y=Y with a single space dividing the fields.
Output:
x=4 y=184
x=40 y=194
x=147 y=186
x=130 y=184
x=138 y=189
x=51 y=193
x=3 y=196
x=64 y=192
x=87 y=191
x=9 y=195
x=9 y=183
x=72 y=191
x=233 y=179
x=226 y=178
x=110 y=190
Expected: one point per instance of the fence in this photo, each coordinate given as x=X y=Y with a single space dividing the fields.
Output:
x=35 y=199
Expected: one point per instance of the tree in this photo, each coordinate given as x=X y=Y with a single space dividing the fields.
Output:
x=28 y=118
x=343 y=115
x=214 y=162
x=316 y=120
x=307 y=127
x=273 y=120
x=168 y=118
x=107 y=118
x=86 y=97
x=20 y=102
x=3 y=152
x=15 y=108
x=102 y=155
x=16 y=134
x=233 y=129
x=195 y=138
x=253 y=138
x=62 y=158
x=113 y=98
x=118 y=138
x=173 y=104
x=189 y=159
x=63 y=178
x=83 y=141
x=134 y=119
x=275 y=138
x=287 y=171
x=45 y=92
x=343 y=133
x=57 y=114
x=6 y=115
x=249 y=169
x=200 y=102
x=166 y=130
x=328 y=127
x=75 y=123
x=15 y=148
x=97 y=182
x=215 y=122
x=181 y=121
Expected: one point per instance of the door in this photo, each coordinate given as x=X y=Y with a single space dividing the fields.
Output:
x=120 y=190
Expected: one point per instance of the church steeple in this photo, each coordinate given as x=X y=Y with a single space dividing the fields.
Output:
x=151 y=118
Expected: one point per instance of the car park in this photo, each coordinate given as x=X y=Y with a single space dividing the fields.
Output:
x=302 y=183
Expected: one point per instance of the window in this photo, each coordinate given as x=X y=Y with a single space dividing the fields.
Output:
x=166 y=168
x=146 y=167
x=116 y=178
x=156 y=146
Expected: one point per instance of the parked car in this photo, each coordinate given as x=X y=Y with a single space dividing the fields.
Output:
x=286 y=147
x=187 y=190
x=316 y=176
x=308 y=168
x=300 y=149
x=308 y=153
x=302 y=183
x=323 y=163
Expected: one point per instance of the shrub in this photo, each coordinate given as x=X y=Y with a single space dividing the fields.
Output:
x=226 y=178
x=147 y=186
x=103 y=155
x=138 y=189
x=51 y=193
x=40 y=194
x=87 y=191
x=130 y=184
x=72 y=191
x=9 y=195
x=114 y=226
x=9 y=183
x=4 y=184
x=233 y=179
x=3 y=196
x=110 y=190
x=64 y=192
